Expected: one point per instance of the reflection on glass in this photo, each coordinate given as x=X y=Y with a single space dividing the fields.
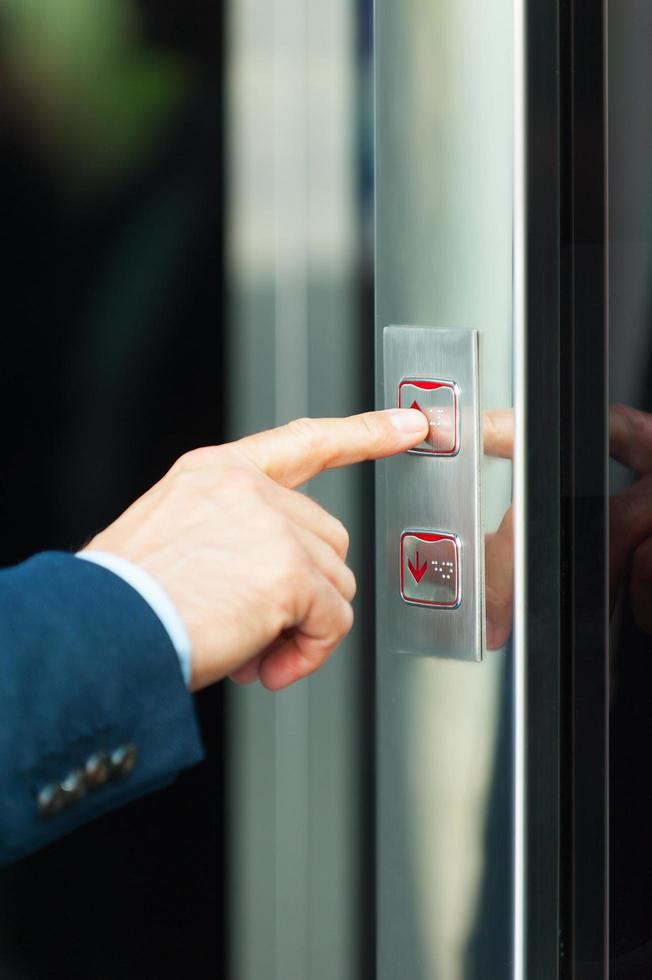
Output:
x=630 y=482
x=630 y=592
x=630 y=527
x=499 y=544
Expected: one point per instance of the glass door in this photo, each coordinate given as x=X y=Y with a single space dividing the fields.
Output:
x=630 y=397
x=492 y=739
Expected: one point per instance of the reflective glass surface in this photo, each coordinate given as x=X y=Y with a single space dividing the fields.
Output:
x=630 y=396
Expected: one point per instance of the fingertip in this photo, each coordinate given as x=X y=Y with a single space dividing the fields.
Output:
x=409 y=422
x=288 y=663
x=490 y=635
x=497 y=634
x=348 y=616
x=275 y=677
x=247 y=674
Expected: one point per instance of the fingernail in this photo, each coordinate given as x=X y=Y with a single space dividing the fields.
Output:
x=408 y=420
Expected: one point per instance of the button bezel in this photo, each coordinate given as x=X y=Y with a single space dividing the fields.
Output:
x=432 y=384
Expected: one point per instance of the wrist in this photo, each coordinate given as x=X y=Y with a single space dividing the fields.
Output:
x=154 y=594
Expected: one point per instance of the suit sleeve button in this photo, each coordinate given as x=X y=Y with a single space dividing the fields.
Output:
x=123 y=761
x=74 y=787
x=97 y=770
x=51 y=800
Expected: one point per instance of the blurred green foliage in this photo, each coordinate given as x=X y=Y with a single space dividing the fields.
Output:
x=87 y=84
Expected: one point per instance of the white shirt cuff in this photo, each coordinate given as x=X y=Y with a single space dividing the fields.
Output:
x=155 y=596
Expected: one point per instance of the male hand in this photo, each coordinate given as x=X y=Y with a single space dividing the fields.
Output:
x=256 y=570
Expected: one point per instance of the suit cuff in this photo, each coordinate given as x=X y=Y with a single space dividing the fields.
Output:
x=90 y=689
x=154 y=595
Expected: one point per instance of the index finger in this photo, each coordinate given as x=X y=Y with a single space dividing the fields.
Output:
x=498 y=432
x=294 y=453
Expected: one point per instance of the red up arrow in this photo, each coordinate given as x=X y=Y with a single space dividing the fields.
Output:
x=415 y=404
x=419 y=571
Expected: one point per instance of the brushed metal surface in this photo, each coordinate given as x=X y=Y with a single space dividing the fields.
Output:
x=427 y=491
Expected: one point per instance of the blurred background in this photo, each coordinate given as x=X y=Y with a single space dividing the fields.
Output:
x=185 y=199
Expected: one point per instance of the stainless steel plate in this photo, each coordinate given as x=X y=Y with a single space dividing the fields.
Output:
x=433 y=568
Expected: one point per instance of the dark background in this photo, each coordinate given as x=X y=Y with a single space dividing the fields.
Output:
x=112 y=354
x=630 y=370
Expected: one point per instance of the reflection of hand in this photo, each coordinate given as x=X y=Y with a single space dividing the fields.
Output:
x=630 y=513
x=499 y=546
x=256 y=570
x=630 y=522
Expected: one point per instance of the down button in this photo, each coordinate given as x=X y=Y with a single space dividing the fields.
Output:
x=430 y=569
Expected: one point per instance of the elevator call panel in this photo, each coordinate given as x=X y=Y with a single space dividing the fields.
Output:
x=434 y=554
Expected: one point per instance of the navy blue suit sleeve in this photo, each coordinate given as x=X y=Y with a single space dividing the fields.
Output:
x=92 y=701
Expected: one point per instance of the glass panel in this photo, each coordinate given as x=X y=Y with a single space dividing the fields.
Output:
x=630 y=395
x=300 y=344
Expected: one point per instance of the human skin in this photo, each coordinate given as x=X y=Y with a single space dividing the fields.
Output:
x=256 y=570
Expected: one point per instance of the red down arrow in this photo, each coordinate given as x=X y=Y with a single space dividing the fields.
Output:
x=419 y=571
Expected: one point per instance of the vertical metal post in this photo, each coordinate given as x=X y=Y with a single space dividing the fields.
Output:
x=295 y=758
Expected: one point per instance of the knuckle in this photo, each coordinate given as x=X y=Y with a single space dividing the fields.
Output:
x=181 y=465
x=341 y=535
x=326 y=524
x=346 y=582
x=197 y=458
x=353 y=585
x=346 y=621
x=305 y=431
x=241 y=481
x=632 y=426
x=372 y=429
x=293 y=565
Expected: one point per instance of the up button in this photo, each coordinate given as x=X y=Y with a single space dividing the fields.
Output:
x=439 y=402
